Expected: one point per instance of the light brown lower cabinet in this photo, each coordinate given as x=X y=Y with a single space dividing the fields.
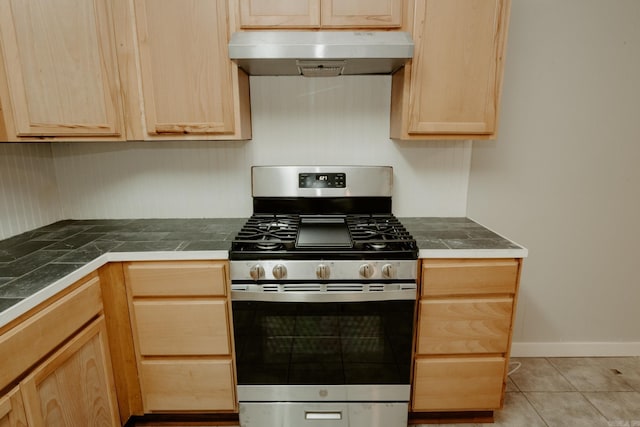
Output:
x=56 y=363
x=74 y=387
x=181 y=323
x=12 y=410
x=188 y=385
x=464 y=328
x=460 y=383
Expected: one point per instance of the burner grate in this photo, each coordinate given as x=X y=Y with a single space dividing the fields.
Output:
x=276 y=235
x=379 y=232
x=269 y=232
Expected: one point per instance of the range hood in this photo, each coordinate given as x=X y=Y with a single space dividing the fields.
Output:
x=320 y=53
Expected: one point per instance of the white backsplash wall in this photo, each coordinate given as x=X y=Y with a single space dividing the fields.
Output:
x=28 y=191
x=296 y=120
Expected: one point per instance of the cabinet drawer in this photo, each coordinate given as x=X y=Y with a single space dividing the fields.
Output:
x=47 y=329
x=458 y=384
x=182 y=327
x=187 y=385
x=184 y=278
x=474 y=325
x=468 y=276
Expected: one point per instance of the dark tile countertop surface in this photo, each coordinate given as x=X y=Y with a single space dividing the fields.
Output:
x=31 y=261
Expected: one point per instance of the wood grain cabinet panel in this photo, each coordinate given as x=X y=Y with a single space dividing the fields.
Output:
x=320 y=14
x=360 y=13
x=189 y=84
x=279 y=13
x=12 y=410
x=181 y=322
x=41 y=333
x=451 y=88
x=442 y=277
x=456 y=326
x=182 y=327
x=74 y=387
x=463 y=334
x=183 y=278
x=58 y=70
x=187 y=385
x=457 y=384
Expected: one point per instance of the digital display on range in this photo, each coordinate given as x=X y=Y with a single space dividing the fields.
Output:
x=322 y=180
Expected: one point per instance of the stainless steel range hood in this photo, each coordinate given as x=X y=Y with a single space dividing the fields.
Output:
x=320 y=53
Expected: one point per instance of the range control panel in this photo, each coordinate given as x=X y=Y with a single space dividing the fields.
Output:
x=322 y=180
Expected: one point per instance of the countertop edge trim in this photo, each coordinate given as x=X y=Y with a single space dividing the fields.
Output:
x=59 y=285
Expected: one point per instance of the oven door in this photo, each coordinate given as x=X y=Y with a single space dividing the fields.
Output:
x=324 y=346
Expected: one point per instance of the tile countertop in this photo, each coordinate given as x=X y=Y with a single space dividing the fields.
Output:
x=37 y=264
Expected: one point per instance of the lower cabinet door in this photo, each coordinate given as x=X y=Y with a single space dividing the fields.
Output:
x=74 y=387
x=187 y=385
x=12 y=410
x=464 y=383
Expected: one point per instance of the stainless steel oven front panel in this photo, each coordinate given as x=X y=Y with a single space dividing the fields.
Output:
x=320 y=292
x=336 y=270
x=354 y=414
x=324 y=393
x=360 y=181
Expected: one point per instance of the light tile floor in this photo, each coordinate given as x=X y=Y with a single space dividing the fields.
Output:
x=581 y=392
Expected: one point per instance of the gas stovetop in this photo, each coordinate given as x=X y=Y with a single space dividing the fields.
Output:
x=296 y=236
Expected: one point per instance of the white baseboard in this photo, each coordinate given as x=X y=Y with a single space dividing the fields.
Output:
x=575 y=349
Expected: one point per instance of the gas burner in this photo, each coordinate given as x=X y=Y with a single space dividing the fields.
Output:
x=376 y=245
x=268 y=246
x=273 y=226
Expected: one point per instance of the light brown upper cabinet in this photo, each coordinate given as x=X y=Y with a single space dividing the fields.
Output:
x=58 y=70
x=321 y=14
x=190 y=89
x=451 y=88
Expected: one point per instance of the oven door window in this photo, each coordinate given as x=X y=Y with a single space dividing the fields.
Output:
x=323 y=343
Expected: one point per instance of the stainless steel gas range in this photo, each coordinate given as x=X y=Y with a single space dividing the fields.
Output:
x=323 y=280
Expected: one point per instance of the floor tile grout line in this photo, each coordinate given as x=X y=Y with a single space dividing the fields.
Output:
x=594 y=406
x=575 y=387
x=536 y=410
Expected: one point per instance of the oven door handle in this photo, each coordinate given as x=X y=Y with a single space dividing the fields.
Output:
x=314 y=296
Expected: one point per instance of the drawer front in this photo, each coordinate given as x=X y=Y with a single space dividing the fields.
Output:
x=187 y=385
x=469 y=276
x=182 y=327
x=458 y=326
x=183 y=278
x=458 y=384
x=47 y=329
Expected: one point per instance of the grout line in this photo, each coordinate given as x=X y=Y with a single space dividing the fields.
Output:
x=575 y=388
x=535 y=410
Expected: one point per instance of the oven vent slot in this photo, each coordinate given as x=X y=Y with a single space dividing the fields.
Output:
x=376 y=288
x=301 y=288
x=269 y=288
x=345 y=288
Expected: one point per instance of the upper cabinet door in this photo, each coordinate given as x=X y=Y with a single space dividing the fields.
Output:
x=279 y=13
x=362 y=13
x=454 y=80
x=457 y=52
x=58 y=73
x=186 y=73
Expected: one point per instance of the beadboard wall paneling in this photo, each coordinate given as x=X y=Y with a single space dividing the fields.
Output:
x=153 y=179
x=296 y=120
x=28 y=191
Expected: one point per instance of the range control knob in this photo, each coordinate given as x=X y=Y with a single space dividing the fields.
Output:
x=366 y=270
x=388 y=271
x=279 y=271
x=256 y=272
x=323 y=271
